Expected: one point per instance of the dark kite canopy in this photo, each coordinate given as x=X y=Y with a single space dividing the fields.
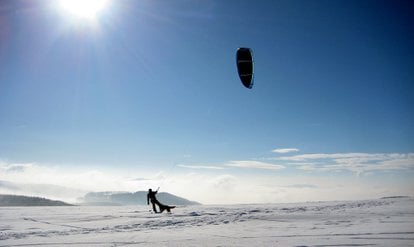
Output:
x=244 y=59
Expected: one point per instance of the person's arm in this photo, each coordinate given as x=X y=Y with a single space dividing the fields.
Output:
x=148 y=199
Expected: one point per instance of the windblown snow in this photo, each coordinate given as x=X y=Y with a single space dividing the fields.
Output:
x=382 y=222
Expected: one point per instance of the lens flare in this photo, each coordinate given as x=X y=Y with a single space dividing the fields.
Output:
x=88 y=9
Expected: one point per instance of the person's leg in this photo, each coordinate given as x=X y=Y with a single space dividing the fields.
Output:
x=154 y=208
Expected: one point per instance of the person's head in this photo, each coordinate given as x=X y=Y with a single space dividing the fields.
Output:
x=150 y=190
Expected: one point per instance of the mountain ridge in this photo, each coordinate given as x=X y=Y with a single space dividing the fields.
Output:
x=28 y=201
x=132 y=198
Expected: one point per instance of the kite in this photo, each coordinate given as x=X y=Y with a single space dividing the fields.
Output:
x=244 y=59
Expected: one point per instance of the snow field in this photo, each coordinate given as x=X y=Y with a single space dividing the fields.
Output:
x=382 y=222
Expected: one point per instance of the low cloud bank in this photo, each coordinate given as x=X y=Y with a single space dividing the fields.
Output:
x=287 y=178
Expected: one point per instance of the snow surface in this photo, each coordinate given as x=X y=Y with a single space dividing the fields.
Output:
x=382 y=222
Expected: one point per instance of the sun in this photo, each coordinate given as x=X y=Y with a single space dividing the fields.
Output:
x=85 y=9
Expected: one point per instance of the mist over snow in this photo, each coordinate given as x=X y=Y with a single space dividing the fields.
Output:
x=283 y=176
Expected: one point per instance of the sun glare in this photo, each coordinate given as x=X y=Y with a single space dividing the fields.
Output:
x=88 y=9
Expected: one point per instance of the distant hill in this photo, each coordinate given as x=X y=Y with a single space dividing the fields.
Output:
x=137 y=198
x=40 y=190
x=28 y=201
x=394 y=197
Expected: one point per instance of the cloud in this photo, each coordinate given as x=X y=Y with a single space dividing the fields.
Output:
x=354 y=162
x=302 y=186
x=60 y=182
x=285 y=150
x=307 y=167
x=14 y=168
x=317 y=156
x=201 y=167
x=224 y=182
x=254 y=165
x=8 y=186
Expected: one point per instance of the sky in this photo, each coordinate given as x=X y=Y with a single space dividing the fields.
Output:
x=146 y=94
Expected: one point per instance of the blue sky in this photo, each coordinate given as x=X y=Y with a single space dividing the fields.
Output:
x=149 y=90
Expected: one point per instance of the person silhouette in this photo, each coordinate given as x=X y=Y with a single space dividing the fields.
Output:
x=154 y=201
x=151 y=197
